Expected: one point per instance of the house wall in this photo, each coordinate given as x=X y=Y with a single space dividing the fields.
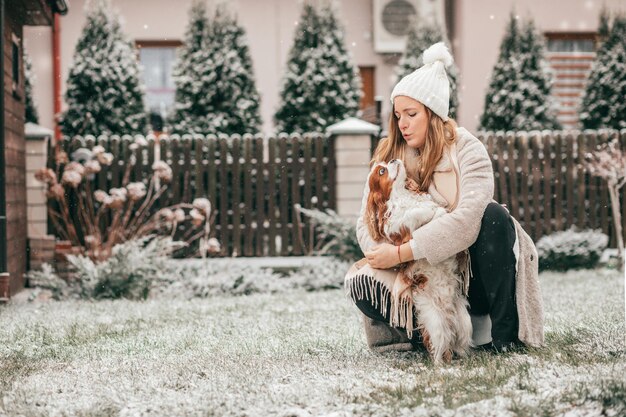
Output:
x=269 y=26
x=478 y=29
x=15 y=158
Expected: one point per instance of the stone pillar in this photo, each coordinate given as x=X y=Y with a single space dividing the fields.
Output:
x=40 y=244
x=352 y=155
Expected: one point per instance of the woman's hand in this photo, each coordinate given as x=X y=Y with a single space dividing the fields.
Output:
x=383 y=256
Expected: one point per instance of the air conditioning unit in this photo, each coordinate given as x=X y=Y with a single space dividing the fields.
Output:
x=392 y=19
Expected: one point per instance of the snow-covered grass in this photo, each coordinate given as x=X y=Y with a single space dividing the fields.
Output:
x=300 y=353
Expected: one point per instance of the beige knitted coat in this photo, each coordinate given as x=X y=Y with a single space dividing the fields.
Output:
x=469 y=164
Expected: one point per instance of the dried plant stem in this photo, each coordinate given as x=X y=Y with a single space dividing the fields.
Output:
x=105 y=217
x=89 y=201
x=146 y=202
x=617 y=223
x=139 y=218
x=85 y=216
x=112 y=232
x=129 y=212
x=101 y=210
x=57 y=220
x=71 y=230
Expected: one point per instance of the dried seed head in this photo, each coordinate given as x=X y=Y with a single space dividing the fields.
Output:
x=136 y=190
x=61 y=158
x=179 y=215
x=56 y=192
x=46 y=175
x=203 y=205
x=105 y=158
x=75 y=166
x=100 y=196
x=71 y=178
x=92 y=167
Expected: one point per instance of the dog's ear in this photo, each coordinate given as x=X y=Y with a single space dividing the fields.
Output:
x=374 y=211
x=379 y=191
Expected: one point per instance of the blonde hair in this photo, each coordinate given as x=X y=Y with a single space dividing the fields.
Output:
x=438 y=135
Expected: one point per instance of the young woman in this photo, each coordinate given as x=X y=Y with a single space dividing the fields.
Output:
x=454 y=167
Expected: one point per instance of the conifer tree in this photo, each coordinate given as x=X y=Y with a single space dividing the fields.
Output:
x=215 y=87
x=603 y=26
x=603 y=104
x=518 y=97
x=538 y=108
x=420 y=37
x=235 y=98
x=193 y=76
x=321 y=85
x=500 y=104
x=104 y=94
x=31 y=110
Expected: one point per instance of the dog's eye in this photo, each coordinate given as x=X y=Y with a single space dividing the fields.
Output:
x=381 y=171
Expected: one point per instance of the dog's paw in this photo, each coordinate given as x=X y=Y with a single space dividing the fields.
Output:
x=411 y=185
x=420 y=281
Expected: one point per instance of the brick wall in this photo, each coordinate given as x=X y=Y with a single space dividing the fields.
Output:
x=15 y=157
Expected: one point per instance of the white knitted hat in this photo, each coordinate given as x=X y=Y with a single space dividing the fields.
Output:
x=429 y=84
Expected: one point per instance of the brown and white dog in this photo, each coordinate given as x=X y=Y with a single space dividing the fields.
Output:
x=396 y=208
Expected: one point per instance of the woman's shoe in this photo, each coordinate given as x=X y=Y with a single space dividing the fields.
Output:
x=381 y=337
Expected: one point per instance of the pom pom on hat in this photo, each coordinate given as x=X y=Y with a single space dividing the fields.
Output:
x=429 y=84
x=438 y=52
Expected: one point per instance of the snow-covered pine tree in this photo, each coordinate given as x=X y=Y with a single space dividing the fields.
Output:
x=104 y=94
x=502 y=99
x=344 y=83
x=537 y=110
x=604 y=26
x=193 y=76
x=297 y=104
x=215 y=88
x=603 y=104
x=234 y=97
x=518 y=97
x=321 y=85
x=420 y=37
x=31 y=110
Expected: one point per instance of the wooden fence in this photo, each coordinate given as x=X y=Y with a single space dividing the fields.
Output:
x=252 y=183
x=542 y=180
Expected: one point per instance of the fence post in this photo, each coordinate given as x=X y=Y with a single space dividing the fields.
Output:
x=40 y=244
x=352 y=156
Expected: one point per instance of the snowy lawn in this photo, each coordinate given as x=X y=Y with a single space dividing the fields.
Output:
x=300 y=353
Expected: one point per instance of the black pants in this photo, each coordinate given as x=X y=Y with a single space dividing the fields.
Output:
x=492 y=286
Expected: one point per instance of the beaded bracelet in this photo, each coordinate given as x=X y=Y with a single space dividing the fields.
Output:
x=399 y=258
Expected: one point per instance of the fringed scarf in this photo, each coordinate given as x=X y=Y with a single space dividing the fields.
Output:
x=362 y=282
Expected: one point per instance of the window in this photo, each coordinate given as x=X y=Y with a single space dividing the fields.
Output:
x=157 y=59
x=570 y=56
